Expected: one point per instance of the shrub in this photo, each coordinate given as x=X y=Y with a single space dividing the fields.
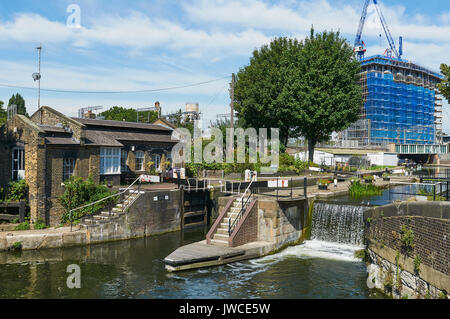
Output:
x=323 y=182
x=407 y=239
x=79 y=192
x=368 y=177
x=17 y=191
x=40 y=224
x=17 y=246
x=417 y=262
x=23 y=226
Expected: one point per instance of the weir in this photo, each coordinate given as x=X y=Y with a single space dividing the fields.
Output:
x=339 y=223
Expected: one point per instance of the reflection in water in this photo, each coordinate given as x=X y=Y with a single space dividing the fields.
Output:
x=135 y=269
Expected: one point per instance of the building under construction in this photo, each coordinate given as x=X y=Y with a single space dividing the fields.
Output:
x=400 y=105
x=400 y=98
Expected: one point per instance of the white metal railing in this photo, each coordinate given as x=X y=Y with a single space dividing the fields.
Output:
x=99 y=201
x=245 y=201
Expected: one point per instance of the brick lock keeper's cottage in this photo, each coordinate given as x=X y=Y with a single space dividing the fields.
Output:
x=49 y=147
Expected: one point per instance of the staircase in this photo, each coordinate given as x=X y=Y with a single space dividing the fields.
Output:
x=117 y=211
x=222 y=235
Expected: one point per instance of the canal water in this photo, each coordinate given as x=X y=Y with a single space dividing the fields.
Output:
x=135 y=269
x=323 y=267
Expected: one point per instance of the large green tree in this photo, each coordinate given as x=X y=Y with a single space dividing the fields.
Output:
x=118 y=113
x=18 y=100
x=258 y=88
x=321 y=86
x=3 y=115
x=444 y=86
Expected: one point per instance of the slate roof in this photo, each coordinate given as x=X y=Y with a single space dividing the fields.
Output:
x=61 y=141
x=125 y=125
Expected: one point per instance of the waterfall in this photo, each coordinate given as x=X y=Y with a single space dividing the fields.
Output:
x=339 y=223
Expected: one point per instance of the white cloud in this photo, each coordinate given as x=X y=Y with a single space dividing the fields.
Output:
x=135 y=31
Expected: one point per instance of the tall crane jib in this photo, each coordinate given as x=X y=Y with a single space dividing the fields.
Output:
x=360 y=45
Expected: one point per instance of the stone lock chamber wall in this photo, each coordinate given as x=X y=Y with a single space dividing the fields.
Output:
x=430 y=225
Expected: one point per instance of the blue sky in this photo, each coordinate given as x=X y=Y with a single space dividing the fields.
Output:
x=137 y=45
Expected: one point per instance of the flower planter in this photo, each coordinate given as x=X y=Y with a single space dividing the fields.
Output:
x=323 y=187
x=368 y=181
x=386 y=179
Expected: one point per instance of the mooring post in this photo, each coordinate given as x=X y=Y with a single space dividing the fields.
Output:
x=434 y=192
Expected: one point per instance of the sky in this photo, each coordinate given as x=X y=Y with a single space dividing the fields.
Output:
x=154 y=44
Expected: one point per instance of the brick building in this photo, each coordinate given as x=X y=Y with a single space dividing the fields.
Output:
x=49 y=147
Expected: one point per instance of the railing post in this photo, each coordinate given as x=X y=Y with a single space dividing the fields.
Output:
x=434 y=192
x=305 y=186
x=278 y=180
x=291 y=189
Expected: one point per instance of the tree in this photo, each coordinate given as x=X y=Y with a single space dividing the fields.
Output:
x=20 y=102
x=444 y=87
x=3 y=115
x=258 y=88
x=321 y=87
x=118 y=113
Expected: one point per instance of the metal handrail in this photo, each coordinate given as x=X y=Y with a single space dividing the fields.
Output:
x=99 y=201
x=231 y=227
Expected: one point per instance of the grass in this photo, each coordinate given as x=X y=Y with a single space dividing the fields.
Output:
x=358 y=190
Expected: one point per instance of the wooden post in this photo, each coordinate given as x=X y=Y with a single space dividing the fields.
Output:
x=22 y=212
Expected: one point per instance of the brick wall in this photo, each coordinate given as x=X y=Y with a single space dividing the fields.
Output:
x=247 y=229
x=431 y=240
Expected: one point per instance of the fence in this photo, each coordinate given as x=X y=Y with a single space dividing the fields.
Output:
x=439 y=190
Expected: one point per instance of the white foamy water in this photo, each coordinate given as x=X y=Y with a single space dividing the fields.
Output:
x=315 y=249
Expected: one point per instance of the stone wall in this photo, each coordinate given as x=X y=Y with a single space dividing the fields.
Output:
x=152 y=213
x=281 y=223
x=429 y=223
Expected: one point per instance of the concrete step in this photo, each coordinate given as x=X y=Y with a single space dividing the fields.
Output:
x=219 y=242
x=221 y=236
x=222 y=231
x=107 y=214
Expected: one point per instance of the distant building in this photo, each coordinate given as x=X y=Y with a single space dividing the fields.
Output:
x=400 y=105
x=50 y=147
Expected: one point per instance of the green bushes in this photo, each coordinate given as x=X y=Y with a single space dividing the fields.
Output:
x=79 y=192
x=23 y=226
x=358 y=190
x=16 y=191
x=287 y=163
x=40 y=224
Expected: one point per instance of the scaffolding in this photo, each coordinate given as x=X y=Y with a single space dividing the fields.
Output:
x=400 y=104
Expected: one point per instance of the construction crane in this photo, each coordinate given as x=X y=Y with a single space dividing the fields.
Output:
x=359 y=44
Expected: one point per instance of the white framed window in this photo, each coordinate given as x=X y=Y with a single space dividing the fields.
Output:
x=157 y=160
x=140 y=156
x=123 y=161
x=18 y=163
x=109 y=161
x=68 y=168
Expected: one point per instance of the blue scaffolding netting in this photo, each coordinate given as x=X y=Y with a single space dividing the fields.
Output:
x=399 y=112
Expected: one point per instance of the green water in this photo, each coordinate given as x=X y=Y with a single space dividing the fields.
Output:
x=135 y=269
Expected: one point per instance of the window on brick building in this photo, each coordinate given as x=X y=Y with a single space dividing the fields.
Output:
x=18 y=163
x=123 y=161
x=110 y=161
x=68 y=168
x=140 y=155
